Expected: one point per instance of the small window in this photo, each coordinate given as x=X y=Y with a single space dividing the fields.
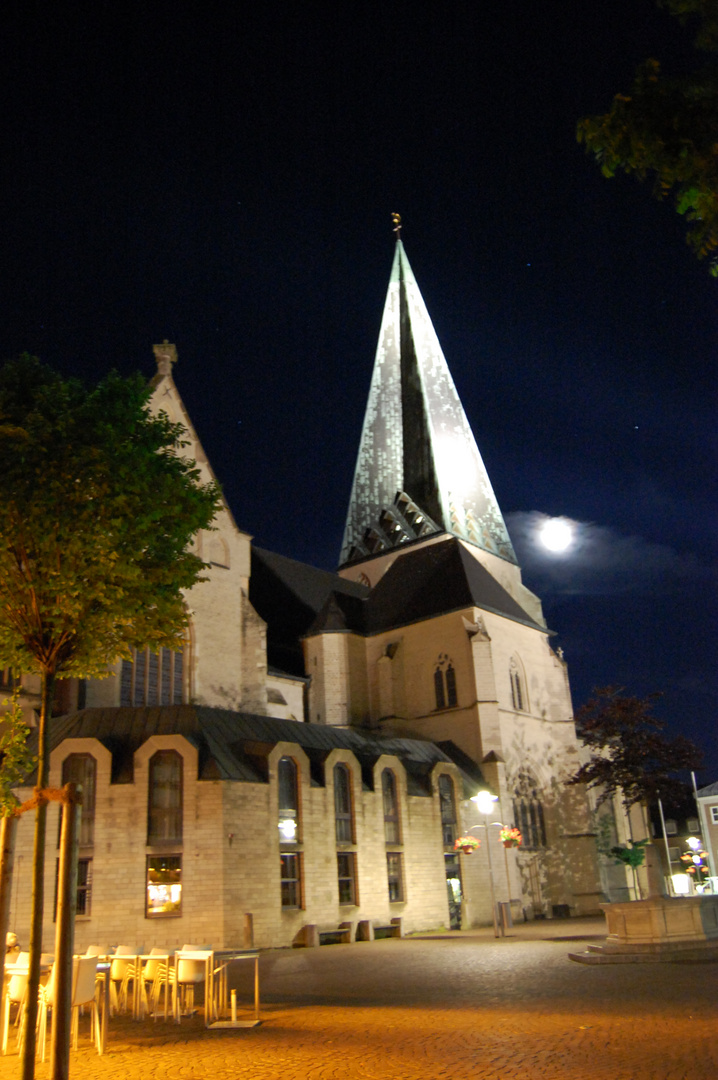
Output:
x=671 y=827
x=674 y=854
x=395 y=877
x=445 y=683
x=448 y=810
x=291 y=879
x=519 y=698
x=164 y=886
x=392 y=833
x=346 y=875
x=693 y=825
x=288 y=801
x=714 y=815
x=343 y=805
x=164 y=823
x=83 y=896
x=81 y=769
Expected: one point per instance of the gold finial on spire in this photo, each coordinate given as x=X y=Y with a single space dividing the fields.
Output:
x=396 y=218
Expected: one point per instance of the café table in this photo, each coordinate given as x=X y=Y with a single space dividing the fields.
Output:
x=223 y=958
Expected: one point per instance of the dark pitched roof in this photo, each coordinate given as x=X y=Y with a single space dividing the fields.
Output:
x=427 y=580
x=288 y=595
x=234 y=746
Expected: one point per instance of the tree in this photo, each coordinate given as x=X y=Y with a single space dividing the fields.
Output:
x=634 y=758
x=666 y=128
x=99 y=508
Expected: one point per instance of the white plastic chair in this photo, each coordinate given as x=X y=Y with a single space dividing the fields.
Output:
x=122 y=971
x=84 y=971
x=155 y=972
x=189 y=974
x=15 y=994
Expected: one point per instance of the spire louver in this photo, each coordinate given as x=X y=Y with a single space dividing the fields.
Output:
x=419 y=471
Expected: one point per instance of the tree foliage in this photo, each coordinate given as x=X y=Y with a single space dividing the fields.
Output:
x=667 y=128
x=16 y=761
x=99 y=508
x=632 y=758
x=98 y=511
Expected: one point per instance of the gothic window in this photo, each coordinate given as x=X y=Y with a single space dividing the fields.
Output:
x=343 y=805
x=83 y=894
x=291 y=879
x=448 y=810
x=519 y=696
x=391 y=807
x=164 y=805
x=528 y=811
x=81 y=769
x=164 y=886
x=395 y=876
x=346 y=877
x=445 y=683
x=153 y=678
x=288 y=801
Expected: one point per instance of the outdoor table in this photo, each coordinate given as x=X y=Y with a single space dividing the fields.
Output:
x=225 y=957
x=205 y=956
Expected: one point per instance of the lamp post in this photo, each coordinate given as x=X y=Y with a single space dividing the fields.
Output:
x=485 y=803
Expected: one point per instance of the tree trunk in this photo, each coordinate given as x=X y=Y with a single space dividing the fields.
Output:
x=65 y=935
x=38 y=879
x=8 y=830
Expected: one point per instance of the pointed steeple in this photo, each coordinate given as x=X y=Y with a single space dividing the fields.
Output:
x=419 y=471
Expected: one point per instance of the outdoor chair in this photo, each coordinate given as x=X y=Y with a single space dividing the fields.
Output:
x=122 y=971
x=84 y=971
x=15 y=994
x=189 y=974
x=155 y=972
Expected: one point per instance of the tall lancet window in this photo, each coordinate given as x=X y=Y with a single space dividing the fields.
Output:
x=445 y=683
x=519 y=697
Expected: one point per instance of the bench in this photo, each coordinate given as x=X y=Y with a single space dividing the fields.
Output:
x=370 y=929
x=310 y=936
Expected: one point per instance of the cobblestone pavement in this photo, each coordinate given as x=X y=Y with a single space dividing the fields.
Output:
x=455 y=1006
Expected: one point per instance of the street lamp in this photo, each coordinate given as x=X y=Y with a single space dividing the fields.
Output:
x=485 y=803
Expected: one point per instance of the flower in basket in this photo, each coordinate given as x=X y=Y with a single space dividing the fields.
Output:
x=467 y=844
x=510 y=837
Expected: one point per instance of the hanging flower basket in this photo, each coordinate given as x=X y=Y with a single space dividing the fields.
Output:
x=510 y=837
x=467 y=844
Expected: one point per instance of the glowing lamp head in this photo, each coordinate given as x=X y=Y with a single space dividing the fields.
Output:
x=288 y=829
x=485 y=801
x=693 y=842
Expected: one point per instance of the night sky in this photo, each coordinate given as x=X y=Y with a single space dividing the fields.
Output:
x=223 y=176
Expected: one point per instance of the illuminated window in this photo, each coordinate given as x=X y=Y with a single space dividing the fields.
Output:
x=164 y=809
x=528 y=812
x=519 y=697
x=395 y=876
x=448 y=810
x=288 y=801
x=714 y=815
x=164 y=886
x=392 y=833
x=445 y=683
x=152 y=678
x=344 y=817
x=291 y=879
x=346 y=875
x=81 y=769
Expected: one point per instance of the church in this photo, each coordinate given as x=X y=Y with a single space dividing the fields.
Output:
x=302 y=770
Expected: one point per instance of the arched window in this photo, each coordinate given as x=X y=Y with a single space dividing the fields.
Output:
x=153 y=678
x=82 y=769
x=528 y=811
x=392 y=832
x=445 y=683
x=164 y=803
x=448 y=810
x=288 y=801
x=519 y=696
x=343 y=805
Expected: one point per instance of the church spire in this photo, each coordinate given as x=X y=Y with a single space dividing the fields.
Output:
x=419 y=470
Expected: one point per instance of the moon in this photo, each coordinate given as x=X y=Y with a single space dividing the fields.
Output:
x=556 y=534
